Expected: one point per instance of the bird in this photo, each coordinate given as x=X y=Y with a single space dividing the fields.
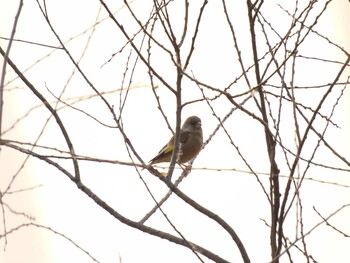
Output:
x=191 y=142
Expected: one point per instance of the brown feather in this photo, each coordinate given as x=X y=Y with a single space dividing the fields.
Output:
x=191 y=142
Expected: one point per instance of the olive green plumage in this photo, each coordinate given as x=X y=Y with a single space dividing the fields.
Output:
x=191 y=142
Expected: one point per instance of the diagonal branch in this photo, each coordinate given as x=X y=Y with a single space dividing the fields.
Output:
x=52 y=111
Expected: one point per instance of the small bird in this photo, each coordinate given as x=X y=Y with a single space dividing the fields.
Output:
x=191 y=142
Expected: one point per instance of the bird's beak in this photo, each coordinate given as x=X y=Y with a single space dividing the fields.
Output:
x=198 y=124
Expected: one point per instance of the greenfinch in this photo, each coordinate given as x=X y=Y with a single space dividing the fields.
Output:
x=191 y=142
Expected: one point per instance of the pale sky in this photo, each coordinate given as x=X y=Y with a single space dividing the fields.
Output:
x=234 y=195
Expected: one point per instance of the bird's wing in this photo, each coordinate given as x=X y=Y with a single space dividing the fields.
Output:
x=167 y=148
x=164 y=153
x=184 y=135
